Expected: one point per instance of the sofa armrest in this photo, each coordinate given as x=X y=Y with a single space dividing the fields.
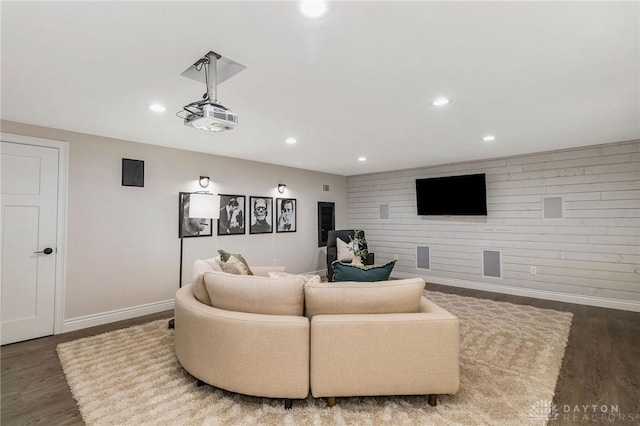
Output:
x=252 y=354
x=427 y=306
x=385 y=354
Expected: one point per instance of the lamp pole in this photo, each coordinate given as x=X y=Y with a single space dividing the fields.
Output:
x=202 y=205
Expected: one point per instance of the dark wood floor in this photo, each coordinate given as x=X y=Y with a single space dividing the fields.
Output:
x=601 y=367
x=34 y=390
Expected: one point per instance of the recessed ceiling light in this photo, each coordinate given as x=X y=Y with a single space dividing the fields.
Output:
x=489 y=138
x=157 y=108
x=313 y=8
x=362 y=158
x=290 y=141
x=441 y=102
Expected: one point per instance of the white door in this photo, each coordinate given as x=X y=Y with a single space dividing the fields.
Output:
x=29 y=216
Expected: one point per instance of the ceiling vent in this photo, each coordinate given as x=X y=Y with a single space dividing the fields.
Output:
x=207 y=113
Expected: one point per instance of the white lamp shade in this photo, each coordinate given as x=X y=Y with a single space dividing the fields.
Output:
x=205 y=206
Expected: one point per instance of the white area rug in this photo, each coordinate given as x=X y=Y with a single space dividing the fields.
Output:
x=509 y=363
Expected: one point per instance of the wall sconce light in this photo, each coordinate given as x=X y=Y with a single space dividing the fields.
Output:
x=204 y=181
x=281 y=187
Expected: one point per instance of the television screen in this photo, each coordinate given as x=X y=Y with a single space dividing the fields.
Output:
x=452 y=195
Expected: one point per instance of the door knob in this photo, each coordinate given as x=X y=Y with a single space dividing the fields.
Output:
x=48 y=250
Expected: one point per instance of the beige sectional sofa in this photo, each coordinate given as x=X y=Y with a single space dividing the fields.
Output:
x=281 y=337
x=385 y=338
x=259 y=353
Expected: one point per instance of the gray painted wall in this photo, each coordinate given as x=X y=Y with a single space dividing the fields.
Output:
x=123 y=247
x=590 y=256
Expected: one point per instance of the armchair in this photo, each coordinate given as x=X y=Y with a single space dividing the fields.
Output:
x=332 y=249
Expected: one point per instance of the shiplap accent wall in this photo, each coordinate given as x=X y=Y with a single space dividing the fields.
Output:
x=590 y=256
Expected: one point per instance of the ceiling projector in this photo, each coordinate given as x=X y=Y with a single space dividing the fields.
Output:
x=207 y=113
x=211 y=117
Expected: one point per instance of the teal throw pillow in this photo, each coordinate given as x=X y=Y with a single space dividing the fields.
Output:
x=225 y=256
x=349 y=272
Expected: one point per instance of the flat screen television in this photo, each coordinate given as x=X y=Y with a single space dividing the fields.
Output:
x=452 y=195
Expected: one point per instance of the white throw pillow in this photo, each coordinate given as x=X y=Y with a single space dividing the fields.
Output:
x=345 y=250
x=308 y=278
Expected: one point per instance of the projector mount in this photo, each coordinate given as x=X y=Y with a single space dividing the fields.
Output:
x=208 y=113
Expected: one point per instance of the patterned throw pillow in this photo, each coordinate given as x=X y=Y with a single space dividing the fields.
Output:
x=234 y=266
x=308 y=278
x=225 y=256
x=345 y=250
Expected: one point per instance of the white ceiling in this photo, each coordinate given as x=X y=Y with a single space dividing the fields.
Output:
x=359 y=81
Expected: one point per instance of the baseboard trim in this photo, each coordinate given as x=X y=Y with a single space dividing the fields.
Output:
x=601 y=302
x=80 y=323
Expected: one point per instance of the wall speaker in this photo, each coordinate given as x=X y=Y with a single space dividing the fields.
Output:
x=552 y=207
x=422 y=257
x=384 y=211
x=491 y=266
x=132 y=172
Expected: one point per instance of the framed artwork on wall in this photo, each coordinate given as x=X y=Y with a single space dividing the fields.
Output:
x=189 y=227
x=232 y=215
x=286 y=210
x=261 y=215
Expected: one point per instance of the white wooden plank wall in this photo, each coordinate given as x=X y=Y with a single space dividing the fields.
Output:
x=590 y=256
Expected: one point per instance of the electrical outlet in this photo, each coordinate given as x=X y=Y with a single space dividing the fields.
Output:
x=534 y=270
x=275 y=262
x=395 y=257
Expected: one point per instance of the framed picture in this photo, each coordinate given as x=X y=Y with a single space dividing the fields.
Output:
x=261 y=215
x=286 y=214
x=190 y=226
x=231 y=220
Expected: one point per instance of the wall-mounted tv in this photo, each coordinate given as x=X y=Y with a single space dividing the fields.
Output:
x=452 y=195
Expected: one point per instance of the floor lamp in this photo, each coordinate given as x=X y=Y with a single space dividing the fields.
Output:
x=202 y=205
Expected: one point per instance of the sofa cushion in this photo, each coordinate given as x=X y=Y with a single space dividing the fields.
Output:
x=308 y=278
x=197 y=278
x=350 y=272
x=345 y=250
x=225 y=256
x=387 y=297
x=254 y=294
